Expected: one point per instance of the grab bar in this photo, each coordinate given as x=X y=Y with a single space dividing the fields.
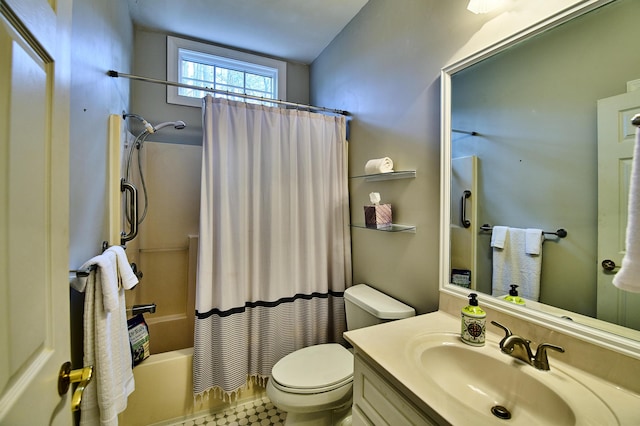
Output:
x=133 y=210
x=463 y=215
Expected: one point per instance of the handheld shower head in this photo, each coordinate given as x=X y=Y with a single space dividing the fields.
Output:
x=148 y=127
x=179 y=125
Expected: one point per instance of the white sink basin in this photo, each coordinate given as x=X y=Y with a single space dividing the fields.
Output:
x=468 y=382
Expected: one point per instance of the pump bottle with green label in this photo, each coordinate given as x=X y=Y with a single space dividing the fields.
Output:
x=513 y=296
x=473 y=323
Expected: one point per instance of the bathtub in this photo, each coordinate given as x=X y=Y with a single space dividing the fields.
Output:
x=164 y=391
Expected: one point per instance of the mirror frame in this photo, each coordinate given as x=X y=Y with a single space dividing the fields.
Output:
x=589 y=334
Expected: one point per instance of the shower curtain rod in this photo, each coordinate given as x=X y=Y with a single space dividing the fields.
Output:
x=116 y=74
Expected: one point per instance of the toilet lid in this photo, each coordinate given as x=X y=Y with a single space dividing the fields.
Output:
x=320 y=367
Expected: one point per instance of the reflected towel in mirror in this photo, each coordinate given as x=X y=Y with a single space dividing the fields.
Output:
x=512 y=265
x=628 y=277
x=533 y=241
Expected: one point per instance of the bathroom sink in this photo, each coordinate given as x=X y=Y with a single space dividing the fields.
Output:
x=470 y=383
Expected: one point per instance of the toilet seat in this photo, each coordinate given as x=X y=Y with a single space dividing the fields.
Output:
x=314 y=369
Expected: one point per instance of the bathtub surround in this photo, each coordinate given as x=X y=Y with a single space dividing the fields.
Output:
x=274 y=252
x=167 y=245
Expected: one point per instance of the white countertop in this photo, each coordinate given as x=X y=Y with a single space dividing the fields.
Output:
x=386 y=347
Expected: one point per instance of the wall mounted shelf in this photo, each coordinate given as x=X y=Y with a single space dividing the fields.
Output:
x=405 y=174
x=394 y=227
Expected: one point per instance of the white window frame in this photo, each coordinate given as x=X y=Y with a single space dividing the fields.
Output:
x=242 y=60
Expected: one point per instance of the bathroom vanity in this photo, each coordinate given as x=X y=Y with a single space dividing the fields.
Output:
x=377 y=401
x=417 y=371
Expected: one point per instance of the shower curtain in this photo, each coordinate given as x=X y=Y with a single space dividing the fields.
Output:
x=274 y=252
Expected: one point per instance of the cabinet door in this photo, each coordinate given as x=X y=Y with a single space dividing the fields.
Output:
x=377 y=402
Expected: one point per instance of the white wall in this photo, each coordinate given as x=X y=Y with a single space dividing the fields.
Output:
x=384 y=69
x=102 y=36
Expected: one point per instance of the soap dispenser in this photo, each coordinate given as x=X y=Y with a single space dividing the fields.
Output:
x=513 y=296
x=473 y=323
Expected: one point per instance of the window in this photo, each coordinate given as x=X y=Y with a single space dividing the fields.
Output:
x=204 y=65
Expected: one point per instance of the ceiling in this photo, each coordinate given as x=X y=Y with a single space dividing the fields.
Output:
x=295 y=30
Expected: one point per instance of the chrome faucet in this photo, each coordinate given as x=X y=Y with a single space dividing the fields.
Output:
x=520 y=348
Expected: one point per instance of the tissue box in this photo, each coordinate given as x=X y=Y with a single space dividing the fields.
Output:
x=377 y=216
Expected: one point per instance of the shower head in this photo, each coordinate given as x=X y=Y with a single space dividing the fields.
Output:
x=176 y=124
x=148 y=127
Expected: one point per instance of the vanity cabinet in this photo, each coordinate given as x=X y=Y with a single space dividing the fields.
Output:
x=377 y=402
x=405 y=174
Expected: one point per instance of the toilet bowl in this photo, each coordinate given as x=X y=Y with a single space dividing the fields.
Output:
x=314 y=385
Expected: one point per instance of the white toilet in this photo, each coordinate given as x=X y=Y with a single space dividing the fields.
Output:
x=314 y=384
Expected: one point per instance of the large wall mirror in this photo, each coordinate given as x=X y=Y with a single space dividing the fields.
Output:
x=525 y=133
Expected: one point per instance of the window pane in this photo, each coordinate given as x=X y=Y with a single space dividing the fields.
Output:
x=217 y=73
x=197 y=71
x=193 y=93
x=229 y=77
x=259 y=82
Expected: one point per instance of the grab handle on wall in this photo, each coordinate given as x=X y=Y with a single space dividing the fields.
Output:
x=133 y=210
x=463 y=215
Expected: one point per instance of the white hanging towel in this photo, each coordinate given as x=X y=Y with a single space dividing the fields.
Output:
x=499 y=236
x=533 y=241
x=628 y=278
x=513 y=265
x=106 y=338
x=378 y=165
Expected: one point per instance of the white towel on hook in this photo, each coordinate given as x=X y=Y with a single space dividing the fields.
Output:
x=512 y=265
x=378 y=165
x=498 y=236
x=628 y=278
x=109 y=274
x=533 y=241
x=127 y=278
x=106 y=339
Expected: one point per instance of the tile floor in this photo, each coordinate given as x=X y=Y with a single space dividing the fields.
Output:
x=260 y=412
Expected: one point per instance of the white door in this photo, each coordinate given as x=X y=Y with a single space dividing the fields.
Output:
x=34 y=204
x=616 y=138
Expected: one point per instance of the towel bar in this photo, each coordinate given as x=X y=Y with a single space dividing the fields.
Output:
x=81 y=273
x=560 y=233
x=141 y=309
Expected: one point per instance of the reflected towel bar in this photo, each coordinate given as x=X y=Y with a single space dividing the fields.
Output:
x=560 y=233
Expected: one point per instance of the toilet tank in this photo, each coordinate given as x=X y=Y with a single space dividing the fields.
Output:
x=367 y=306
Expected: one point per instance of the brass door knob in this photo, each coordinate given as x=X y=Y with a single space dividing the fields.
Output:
x=82 y=376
